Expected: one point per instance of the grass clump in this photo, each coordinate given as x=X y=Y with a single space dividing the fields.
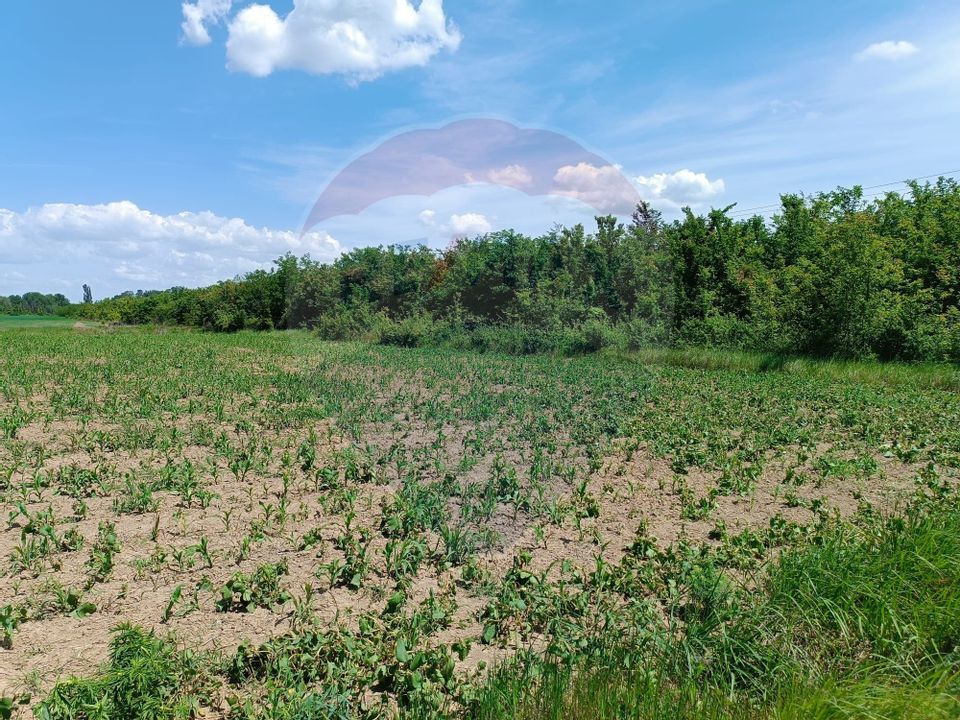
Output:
x=890 y=593
x=146 y=678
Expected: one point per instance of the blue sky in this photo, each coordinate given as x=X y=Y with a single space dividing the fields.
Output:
x=149 y=144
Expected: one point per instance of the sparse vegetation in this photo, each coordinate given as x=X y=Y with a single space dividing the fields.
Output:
x=264 y=526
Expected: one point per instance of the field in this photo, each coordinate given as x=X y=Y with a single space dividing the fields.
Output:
x=33 y=321
x=318 y=530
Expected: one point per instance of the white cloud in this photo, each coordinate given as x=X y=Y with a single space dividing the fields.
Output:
x=605 y=188
x=198 y=15
x=469 y=224
x=465 y=225
x=683 y=187
x=888 y=50
x=359 y=38
x=515 y=176
x=119 y=242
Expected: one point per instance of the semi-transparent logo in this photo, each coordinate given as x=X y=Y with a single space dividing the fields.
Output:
x=426 y=161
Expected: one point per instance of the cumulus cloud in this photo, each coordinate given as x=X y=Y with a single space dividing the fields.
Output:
x=683 y=187
x=121 y=243
x=198 y=15
x=469 y=224
x=888 y=50
x=605 y=187
x=515 y=176
x=359 y=38
x=458 y=226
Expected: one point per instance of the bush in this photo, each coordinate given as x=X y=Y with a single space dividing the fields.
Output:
x=598 y=333
x=412 y=331
x=830 y=275
x=350 y=323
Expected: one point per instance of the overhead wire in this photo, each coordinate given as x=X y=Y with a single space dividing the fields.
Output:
x=776 y=205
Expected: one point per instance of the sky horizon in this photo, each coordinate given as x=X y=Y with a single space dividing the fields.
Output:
x=149 y=145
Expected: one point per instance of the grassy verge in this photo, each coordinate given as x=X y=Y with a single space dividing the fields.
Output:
x=34 y=321
x=939 y=375
x=610 y=693
x=594 y=337
x=862 y=622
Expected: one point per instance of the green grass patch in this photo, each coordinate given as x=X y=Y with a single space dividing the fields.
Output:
x=945 y=376
x=146 y=678
x=33 y=321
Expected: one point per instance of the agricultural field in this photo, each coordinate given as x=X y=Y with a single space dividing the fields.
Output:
x=263 y=525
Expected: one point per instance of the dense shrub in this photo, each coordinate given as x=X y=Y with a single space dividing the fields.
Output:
x=412 y=331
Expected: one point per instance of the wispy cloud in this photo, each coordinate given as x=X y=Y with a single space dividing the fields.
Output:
x=888 y=50
x=199 y=15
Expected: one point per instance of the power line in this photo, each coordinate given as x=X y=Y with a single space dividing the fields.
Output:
x=869 y=187
x=773 y=206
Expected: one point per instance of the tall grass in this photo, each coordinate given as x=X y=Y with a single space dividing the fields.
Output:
x=893 y=596
x=862 y=622
x=932 y=695
x=940 y=375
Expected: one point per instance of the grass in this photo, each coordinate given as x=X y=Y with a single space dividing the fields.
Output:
x=894 y=595
x=610 y=694
x=862 y=623
x=146 y=678
x=670 y=534
x=940 y=375
x=34 y=321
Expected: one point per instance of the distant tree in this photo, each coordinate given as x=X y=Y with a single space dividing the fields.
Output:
x=33 y=303
x=646 y=218
x=87 y=294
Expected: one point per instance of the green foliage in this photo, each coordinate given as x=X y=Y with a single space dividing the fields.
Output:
x=33 y=303
x=829 y=275
x=863 y=621
x=145 y=679
x=412 y=331
x=245 y=593
x=102 y=554
x=10 y=619
x=892 y=588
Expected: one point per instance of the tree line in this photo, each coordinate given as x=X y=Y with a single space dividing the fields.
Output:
x=33 y=303
x=833 y=274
